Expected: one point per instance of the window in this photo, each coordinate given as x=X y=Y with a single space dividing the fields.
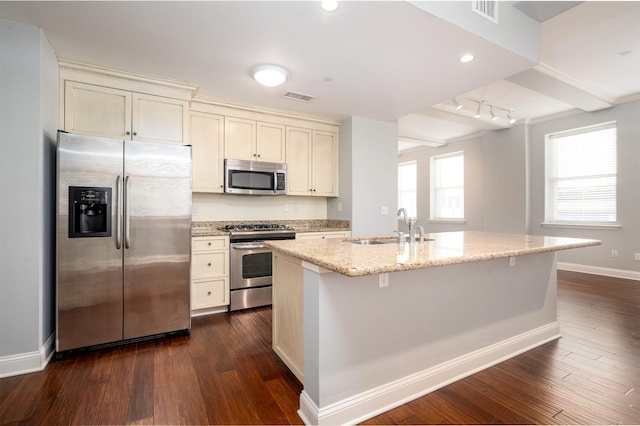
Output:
x=407 y=188
x=581 y=176
x=447 y=186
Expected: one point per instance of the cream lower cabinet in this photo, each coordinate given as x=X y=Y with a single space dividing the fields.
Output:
x=207 y=145
x=288 y=312
x=322 y=235
x=209 y=272
x=312 y=162
x=110 y=112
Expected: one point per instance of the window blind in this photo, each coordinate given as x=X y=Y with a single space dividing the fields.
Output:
x=407 y=187
x=582 y=175
x=447 y=186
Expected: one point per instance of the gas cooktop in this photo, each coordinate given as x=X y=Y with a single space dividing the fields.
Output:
x=256 y=227
x=258 y=232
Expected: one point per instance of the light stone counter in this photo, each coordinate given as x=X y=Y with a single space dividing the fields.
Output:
x=446 y=248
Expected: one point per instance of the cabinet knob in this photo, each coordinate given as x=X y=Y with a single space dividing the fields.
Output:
x=208 y=293
x=209 y=243
x=127 y=133
x=258 y=155
x=209 y=264
x=135 y=133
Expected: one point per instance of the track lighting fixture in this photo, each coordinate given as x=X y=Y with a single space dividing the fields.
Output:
x=477 y=114
x=495 y=111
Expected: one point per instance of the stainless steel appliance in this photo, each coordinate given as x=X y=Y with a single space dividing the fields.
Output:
x=123 y=240
x=250 y=271
x=254 y=177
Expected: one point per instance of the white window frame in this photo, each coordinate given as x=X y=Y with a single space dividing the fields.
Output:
x=436 y=189
x=411 y=206
x=578 y=169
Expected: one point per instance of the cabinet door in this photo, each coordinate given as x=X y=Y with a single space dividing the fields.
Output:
x=97 y=111
x=207 y=136
x=158 y=119
x=298 y=165
x=270 y=145
x=325 y=164
x=239 y=138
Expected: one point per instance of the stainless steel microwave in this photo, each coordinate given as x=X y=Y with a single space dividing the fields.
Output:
x=254 y=177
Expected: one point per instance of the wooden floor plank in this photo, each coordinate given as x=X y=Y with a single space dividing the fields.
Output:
x=225 y=372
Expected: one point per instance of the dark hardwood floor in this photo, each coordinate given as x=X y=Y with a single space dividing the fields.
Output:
x=226 y=373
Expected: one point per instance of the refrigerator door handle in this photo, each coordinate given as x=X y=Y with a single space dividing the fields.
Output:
x=127 y=222
x=119 y=212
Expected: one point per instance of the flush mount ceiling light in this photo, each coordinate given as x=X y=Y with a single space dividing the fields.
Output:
x=329 y=5
x=457 y=105
x=270 y=75
x=467 y=57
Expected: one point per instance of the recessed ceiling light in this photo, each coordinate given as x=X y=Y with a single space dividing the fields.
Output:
x=467 y=57
x=270 y=75
x=329 y=5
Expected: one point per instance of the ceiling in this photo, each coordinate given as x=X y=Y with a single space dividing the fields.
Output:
x=384 y=60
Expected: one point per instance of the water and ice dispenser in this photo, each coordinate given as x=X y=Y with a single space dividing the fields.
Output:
x=89 y=212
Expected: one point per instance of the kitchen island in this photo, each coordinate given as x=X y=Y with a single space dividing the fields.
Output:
x=368 y=327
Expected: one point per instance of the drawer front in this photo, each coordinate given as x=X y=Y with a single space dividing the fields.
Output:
x=210 y=293
x=207 y=244
x=205 y=265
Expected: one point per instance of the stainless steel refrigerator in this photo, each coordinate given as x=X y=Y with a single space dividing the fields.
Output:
x=123 y=240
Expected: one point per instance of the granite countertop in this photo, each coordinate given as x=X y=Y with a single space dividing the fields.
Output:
x=210 y=228
x=446 y=248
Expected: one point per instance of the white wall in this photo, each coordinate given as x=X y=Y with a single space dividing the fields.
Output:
x=504 y=187
x=369 y=175
x=28 y=119
x=625 y=240
x=474 y=192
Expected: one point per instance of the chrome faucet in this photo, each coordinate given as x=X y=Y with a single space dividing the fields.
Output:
x=411 y=223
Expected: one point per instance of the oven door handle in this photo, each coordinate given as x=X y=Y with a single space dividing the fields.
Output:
x=247 y=246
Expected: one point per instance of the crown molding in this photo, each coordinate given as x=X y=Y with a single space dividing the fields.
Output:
x=75 y=70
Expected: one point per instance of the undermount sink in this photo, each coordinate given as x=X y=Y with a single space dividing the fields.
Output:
x=374 y=241
x=382 y=240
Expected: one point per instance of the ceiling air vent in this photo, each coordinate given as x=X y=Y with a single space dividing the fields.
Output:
x=487 y=9
x=301 y=97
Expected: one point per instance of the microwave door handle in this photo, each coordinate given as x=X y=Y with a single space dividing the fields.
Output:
x=275 y=182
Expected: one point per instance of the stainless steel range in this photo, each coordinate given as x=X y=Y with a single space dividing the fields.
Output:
x=251 y=268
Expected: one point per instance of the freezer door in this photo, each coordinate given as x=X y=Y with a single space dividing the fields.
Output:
x=89 y=264
x=157 y=239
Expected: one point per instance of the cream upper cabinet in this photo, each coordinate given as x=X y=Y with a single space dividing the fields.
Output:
x=270 y=142
x=312 y=162
x=97 y=111
x=103 y=111
x=254 y=140
x=207 y=141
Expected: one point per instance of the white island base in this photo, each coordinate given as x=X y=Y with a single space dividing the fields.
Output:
x=368 y=348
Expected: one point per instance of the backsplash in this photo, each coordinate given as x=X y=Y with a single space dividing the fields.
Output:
x=225 y=207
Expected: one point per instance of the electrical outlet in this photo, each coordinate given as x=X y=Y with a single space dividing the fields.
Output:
x=384 y=210
x=383 y=280
x=614 y=253
x=339 y=207
x=285 y=207
x=636 y=256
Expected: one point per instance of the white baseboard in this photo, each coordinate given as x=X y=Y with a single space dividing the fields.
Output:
x=382 y=398
x=597 y=270
x=28 y=362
